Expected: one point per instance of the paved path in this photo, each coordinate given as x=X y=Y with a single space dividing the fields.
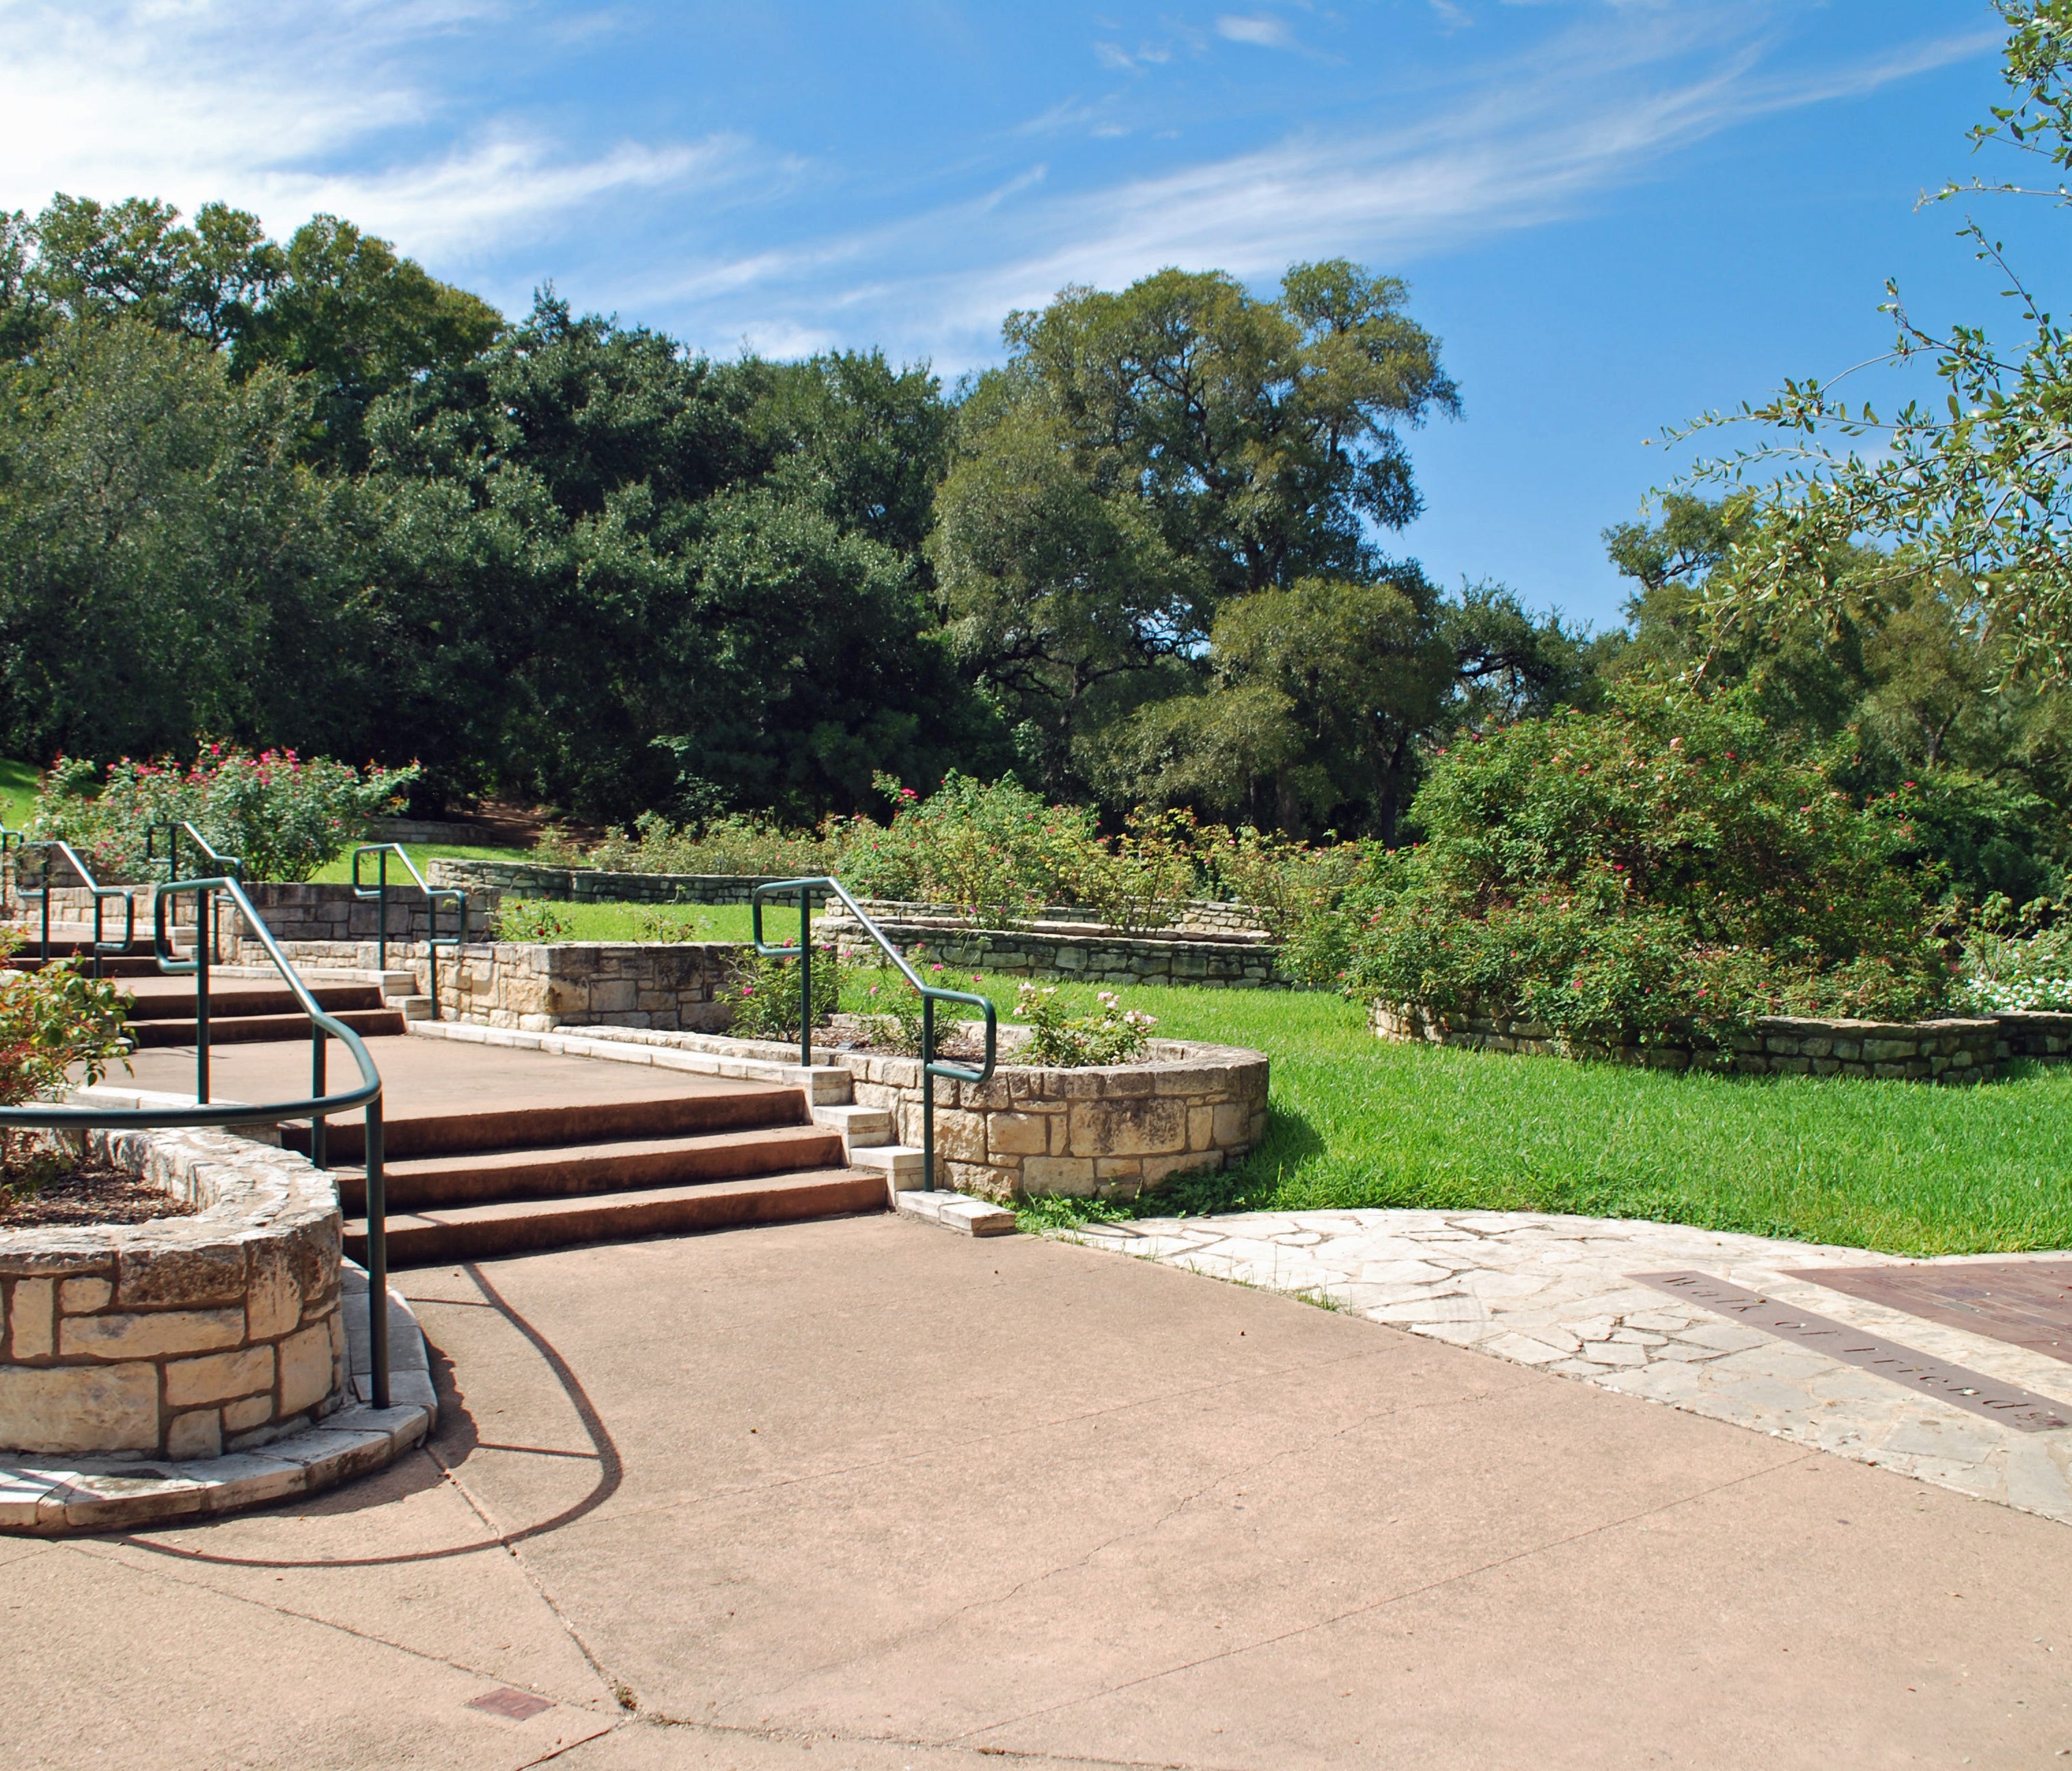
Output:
x=1558 y=1293
x=862 y=1496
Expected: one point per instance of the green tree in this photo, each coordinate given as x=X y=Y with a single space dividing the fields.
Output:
x=167 y=569
x=1143 y=458
x=1977 y=485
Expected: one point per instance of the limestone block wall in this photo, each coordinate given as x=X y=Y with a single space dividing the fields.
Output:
x=1109 y=1132
x=1954 y=1050
x=592 y=885
x=184 y=1337
x=301 y=911
x=534 y=987
x=1055 y=953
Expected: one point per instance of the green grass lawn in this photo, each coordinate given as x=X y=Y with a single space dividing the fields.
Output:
x=1894 y=1166
x=18 y=791
x=421 y=853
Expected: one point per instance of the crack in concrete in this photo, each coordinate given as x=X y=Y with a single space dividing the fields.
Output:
x=104 y=1554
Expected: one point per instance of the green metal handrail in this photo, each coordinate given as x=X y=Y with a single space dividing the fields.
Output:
x=932 y=1067
x=378 y=894
x=102 y=894
x=231 y=864
x=316 y=1108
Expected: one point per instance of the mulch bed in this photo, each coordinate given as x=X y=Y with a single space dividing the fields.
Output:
x=92 y=1194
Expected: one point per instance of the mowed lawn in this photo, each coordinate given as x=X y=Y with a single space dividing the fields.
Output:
x=1894 y=1166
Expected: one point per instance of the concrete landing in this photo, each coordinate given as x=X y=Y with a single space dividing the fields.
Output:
x=864 y=1497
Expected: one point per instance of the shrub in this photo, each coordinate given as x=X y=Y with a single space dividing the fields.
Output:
x=52 y=1021
x=282 y=815
x=764 y=996
x=521 y=921
x=1110 y=1035
x=2017 y=959
x=995 y=852
x=733 y=845
x=1661 y=866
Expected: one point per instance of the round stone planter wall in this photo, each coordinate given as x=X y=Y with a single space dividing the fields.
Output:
x=182 y=1337
x=1110 y=1131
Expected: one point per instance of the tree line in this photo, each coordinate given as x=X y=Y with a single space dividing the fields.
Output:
x=305 y=494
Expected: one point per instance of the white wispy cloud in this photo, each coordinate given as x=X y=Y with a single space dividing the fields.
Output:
x=1262 y=29
x=288 y=108
x=1524 y=144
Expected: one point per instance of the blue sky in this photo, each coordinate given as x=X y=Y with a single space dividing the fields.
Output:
x=1616 y=213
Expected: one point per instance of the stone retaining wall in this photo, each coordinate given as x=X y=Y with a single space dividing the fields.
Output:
x=184 y=1337
x=1053 y=953
x=1197 y=917
x=1951 y=1049
x=301 y=911
x=535 y=987
x=1109 y=1132
x=592 y=885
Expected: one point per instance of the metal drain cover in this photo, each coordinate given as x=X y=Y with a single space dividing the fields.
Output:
x=2023 y=1409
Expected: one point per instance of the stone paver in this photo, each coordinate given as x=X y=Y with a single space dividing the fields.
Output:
x=1557 y=1293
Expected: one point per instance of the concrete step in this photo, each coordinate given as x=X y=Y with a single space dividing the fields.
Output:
x=434 y=1129
x=228 y=1001
x=246 y=1029
x=517 y=1227
x=571 y=1171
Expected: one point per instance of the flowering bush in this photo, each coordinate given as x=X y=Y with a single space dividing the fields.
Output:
x=1657 y=867
x=52 y=1021
x=520 y=920
x=1112 y=1034
x=732 y=845
x=283 y=815
x=2017 y=959
x=764 y=996
x=996 y=851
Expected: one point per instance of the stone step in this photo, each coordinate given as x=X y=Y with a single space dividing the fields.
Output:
x=247 y=1029
x=517 y=1227
x=959 y=1212
x=860 y=1127
x=437 y=1130
x=899 y=1164
x=151 y=1002
x=571 y=1171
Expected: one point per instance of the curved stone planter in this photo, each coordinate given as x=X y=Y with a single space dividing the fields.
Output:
x=1109 y=1131
x=182 y=1337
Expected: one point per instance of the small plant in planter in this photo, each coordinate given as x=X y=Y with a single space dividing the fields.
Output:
x=52 y=1021
x=529 y=922
x=764 y=996
x=1059 y=1039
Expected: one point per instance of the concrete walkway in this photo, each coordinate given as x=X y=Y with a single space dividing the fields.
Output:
x=863 y=1495
x=1559 y=1293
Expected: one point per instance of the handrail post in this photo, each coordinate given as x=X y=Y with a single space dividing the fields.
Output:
x=805 y=978
x=202 y=898
x=928 y=1092
x=377 y=1256
x=319 y=1126
x=44 y=957
x=381 y=912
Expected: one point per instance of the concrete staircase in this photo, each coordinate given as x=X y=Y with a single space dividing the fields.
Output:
x=499 y=1144
x=466 y=1183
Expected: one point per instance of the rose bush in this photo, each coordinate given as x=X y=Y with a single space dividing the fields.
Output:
x=283 y=815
